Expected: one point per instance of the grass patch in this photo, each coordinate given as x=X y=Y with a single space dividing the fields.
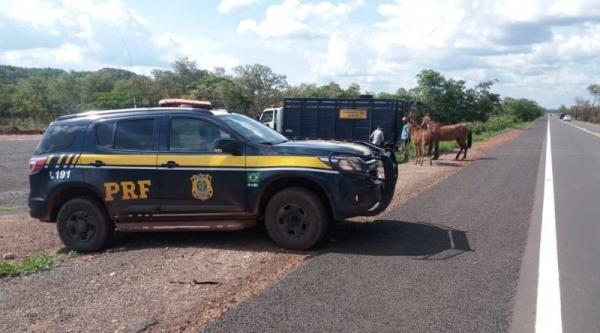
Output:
x=40 y=262
x=9 y=208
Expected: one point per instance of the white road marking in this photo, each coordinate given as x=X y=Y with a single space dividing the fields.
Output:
x=548 y=314
x=585 y=130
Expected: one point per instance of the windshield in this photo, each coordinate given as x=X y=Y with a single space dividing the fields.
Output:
x=252 y=129
x=266 y=117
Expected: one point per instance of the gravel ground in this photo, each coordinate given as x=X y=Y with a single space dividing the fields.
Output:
x=15 y=151
x=155 y=281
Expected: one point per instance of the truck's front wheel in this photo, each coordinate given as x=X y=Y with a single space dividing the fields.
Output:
x=296 y=219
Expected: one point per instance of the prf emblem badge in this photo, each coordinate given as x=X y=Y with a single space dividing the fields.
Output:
x=202 y=187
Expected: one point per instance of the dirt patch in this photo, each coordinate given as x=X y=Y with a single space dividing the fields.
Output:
x=24 y=236
x=163 y=281
x=14 y=130
x=167 y=282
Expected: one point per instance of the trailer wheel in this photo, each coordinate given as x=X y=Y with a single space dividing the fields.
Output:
x=296 y=219
x=83 y=225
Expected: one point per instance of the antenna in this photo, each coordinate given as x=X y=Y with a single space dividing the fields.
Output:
x=128 y=55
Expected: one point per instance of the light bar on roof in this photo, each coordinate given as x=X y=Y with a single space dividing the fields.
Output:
x=180 y=102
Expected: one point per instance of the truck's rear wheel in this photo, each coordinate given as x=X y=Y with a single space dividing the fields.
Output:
x=296 y=219
x=83 y=225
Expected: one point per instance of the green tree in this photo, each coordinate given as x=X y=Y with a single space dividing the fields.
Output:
x=261 y=84
x=187 y=74
x=562 y=109
x=523 y=109
x=30 y=100
x=450 y=101
x=594 y=90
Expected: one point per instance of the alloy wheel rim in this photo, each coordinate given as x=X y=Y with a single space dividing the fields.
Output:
x=292 y=221
x=81 y=226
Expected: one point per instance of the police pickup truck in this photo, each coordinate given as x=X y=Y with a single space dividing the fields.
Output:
x=186 y=168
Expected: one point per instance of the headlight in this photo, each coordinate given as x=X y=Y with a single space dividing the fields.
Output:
x=346 y=163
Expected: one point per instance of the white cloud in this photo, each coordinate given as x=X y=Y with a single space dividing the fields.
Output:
x=47 y=56
x=548 y=44
x=84 y=34
x=204 y=52
x=294 y=19
x=518 y=42
x=228 y=6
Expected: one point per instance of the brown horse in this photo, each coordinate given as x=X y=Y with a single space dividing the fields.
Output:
x=459 y=132
x=420 y=137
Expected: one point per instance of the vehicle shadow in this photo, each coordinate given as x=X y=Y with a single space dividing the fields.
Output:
x=379 y=238
x=398 y=238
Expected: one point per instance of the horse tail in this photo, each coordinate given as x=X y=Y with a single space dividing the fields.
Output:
x=470 y=139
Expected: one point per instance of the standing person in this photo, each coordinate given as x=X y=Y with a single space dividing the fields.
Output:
x=405 y=138
x=377 y=137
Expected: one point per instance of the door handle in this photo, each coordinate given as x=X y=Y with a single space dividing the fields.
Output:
x=98 y=163
x=170 y=164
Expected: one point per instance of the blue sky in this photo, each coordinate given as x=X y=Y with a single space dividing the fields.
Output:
x=539 y=49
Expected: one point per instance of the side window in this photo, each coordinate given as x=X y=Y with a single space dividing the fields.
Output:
x=57 y=138
x=267 y=117
x=104 y=134
x=193 y=135
x=135 y=135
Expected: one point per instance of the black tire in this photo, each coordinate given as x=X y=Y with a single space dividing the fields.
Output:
x=296 y=219
x=83 y=225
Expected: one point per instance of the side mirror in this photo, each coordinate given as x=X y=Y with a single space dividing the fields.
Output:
x=228 y=146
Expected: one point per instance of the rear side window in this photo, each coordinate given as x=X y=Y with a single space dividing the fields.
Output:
x=58 y=138
x=104 y=134
x=135 y=135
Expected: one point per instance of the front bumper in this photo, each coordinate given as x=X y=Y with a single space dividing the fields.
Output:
x=360 y=194
x=357 y=196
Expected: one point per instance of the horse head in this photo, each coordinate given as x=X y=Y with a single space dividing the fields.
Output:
x=412 y=124
x=426 y=120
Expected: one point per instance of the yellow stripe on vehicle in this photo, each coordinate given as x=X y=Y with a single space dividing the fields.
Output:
x=68 y=160
x=208 y=160
x=203 y=160
x=60 y=159
x=285 y=161
x=49 y=159
x=75 y=160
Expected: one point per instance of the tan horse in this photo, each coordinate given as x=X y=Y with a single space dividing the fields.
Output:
x=459 y=132
x=420 y=138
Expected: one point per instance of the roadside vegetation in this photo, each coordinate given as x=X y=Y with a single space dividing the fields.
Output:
x=584 y=109
x=40 y=262
x=486 y=113
x=9 y=208
x=30 y=98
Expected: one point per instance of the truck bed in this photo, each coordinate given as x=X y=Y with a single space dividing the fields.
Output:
x=342 y=119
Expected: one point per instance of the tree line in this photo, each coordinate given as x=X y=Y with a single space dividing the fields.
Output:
x=32 y=97
x=584 y=109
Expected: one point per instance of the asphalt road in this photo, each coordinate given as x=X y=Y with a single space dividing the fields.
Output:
x=576 y=163
x=448 y=260
x=14 y=156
